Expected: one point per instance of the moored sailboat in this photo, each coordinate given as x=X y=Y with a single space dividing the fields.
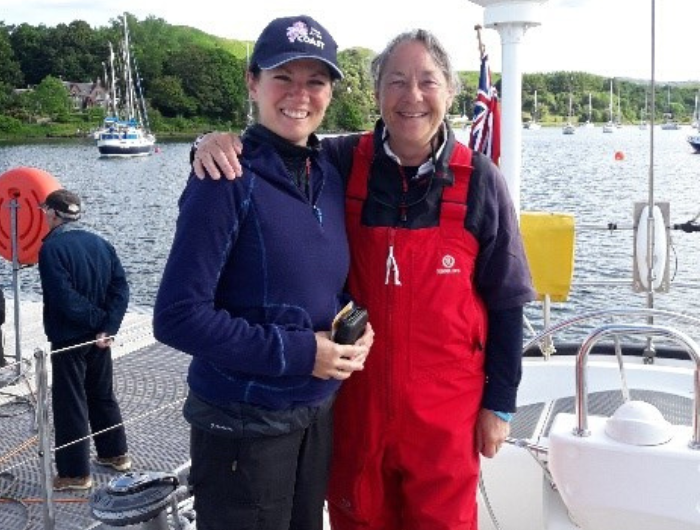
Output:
x=669 y=124
x=610 y=126
x=569 y=127
x=589 y=121
x=533 y=124
x=643 y=114
x=125 y=133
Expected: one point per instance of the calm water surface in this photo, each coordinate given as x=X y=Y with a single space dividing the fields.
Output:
x=133 y=203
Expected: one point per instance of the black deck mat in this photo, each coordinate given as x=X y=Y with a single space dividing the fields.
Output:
x=150 y=384
x=675 y=409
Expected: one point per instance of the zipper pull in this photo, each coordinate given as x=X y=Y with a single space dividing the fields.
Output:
x=391 y=264
x=319 y=215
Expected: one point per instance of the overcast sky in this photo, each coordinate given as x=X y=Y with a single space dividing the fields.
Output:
x=605 y=37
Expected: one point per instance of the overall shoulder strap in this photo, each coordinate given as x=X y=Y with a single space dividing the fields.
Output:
x=361 y=165
x=461 y=166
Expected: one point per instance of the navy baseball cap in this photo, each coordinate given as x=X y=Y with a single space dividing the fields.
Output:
x=290 y=38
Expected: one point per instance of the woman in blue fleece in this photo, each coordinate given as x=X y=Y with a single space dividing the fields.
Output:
x=254 y=278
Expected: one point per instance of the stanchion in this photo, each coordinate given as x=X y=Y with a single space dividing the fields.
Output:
x=42 y=416
x=14 y=205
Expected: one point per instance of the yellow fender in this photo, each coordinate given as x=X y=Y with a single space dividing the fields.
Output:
x=549 y=244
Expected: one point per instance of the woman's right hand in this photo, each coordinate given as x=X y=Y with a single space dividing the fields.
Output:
x=339 y=361
x=217 y=153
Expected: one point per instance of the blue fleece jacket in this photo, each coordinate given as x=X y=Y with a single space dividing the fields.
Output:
x=255 y=268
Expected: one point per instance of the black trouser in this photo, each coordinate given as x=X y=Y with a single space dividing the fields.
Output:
x=265 y=483
x=3 y=362
x=83 y=402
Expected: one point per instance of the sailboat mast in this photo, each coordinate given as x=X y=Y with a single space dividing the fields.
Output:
x=143 y=112
x=129 y=92
x=646 y=106
x=590 y=108
x=534 y=109
x=113 y=82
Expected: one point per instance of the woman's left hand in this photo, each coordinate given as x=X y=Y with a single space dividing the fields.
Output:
x=491 y=433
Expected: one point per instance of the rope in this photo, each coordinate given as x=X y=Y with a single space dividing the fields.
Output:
x=92 y=435
x=34 y=500
x=19 y=448
x=487 y=502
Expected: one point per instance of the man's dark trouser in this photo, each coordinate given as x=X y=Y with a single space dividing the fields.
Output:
x=83 y=402
x=265 y=483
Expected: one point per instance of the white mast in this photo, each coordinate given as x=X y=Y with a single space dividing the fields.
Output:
x=534 y=109
x=113 y=83
x=590 y=109
x=619 y=113
x=129 y=91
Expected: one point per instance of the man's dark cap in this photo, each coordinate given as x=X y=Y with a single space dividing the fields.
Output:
x=65 y=203
x=291 y=38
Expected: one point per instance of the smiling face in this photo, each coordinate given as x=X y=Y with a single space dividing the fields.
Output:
x=292 y=99
x=413 y=97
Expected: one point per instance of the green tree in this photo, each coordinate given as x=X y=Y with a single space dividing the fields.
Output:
x=353 y=101
x=214 y=79
x=77 y=53
x=50 y=99
x=33 y=52
x=10 y=71
x=9 y=125
x=169 y=97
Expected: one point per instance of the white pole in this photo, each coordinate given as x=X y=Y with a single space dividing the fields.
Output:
x=511 y=18
x=511 y=105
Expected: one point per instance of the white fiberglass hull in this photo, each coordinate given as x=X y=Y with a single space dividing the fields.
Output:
x=126 y=147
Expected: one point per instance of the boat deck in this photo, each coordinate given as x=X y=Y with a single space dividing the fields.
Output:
x=534 y=421
x=149 y=380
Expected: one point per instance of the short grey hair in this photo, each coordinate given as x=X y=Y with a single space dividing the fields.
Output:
x=435 y=49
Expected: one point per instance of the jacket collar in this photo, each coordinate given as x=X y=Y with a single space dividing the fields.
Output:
x=65 y=226
x=445 y=139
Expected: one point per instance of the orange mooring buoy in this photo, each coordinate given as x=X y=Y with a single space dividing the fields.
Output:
x=619 y=155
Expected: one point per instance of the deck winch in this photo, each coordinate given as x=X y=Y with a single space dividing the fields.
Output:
x=135 y=498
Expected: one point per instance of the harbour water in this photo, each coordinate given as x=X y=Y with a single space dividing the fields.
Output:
x=133 y=202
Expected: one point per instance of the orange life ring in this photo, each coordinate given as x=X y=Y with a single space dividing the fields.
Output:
x=29 y=186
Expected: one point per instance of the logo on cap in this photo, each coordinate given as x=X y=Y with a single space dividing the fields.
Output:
x=300 y=32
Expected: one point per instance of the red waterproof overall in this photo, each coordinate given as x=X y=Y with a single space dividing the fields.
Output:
x=404 y=450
